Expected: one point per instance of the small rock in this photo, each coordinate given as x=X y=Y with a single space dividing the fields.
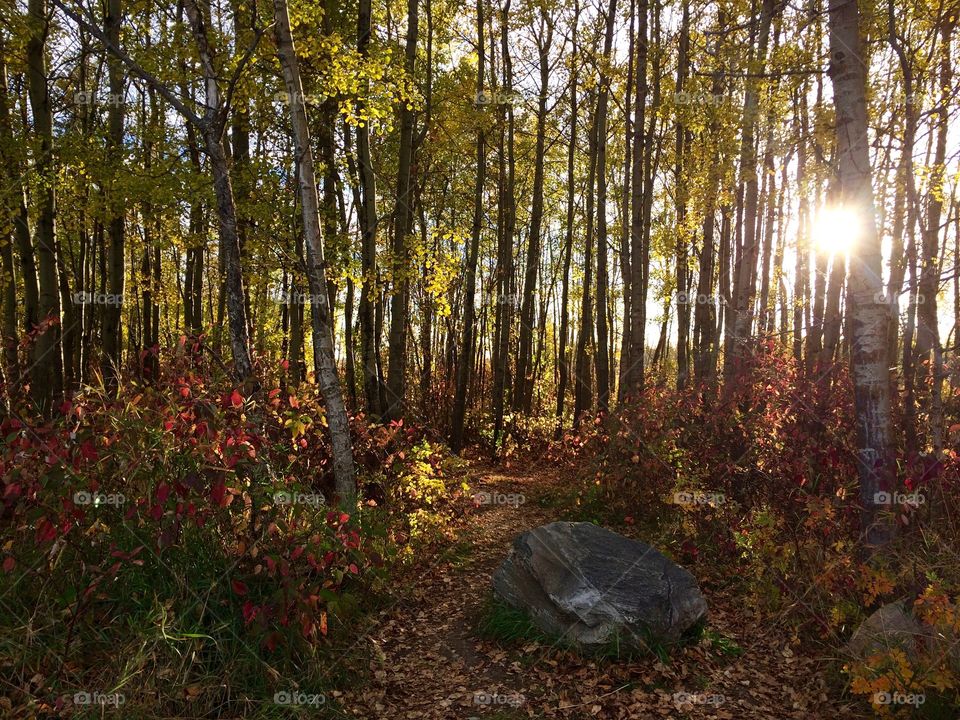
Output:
x=892 y=626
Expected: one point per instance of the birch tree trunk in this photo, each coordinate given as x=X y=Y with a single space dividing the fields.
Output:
x=324 y=361
x=800 y=283
x=211 y=128
x=870 y=357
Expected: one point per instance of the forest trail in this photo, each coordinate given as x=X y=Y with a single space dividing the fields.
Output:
x=428 y=662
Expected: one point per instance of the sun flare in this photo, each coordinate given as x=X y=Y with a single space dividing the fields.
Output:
x=836 y=230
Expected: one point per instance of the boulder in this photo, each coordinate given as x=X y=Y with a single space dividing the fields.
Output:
x=892 y=626
x=589 y=586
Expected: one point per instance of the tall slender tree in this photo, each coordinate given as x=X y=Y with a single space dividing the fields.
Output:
x=402 y=219
x=320 y=311
x=602 y=351
x=465 y=362
x=869 y=358
x=47 y=373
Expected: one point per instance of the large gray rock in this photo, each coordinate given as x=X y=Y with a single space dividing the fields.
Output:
x=892 y=626
x=587 y=585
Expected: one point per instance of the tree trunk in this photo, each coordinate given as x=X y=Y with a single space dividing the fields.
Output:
x=633 y=375
x=832 y=315
x=400 y=299
x=583 y=388
x=779 y=277
x=603 y=358
x=324 y=361
x=507 y=301
x=464 y=364
x=47 y=375
x=906 y=195
x=193 y=280
x=350 y=368
x=10 y=334
x=211 y=127
x=708 y=304
x=524 y=376
x=683 y=300
x=770 y=205
x=739 y=327
x=625 y=260
x=426 y=329
x=116 y=203
x=564 y=369
x=870 y=358
x=800 y=279
x=367 y=215
x=927 y=352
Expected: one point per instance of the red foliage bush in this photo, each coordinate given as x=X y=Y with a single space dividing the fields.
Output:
x=191 y=500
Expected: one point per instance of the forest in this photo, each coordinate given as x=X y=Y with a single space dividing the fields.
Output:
x=502 y=359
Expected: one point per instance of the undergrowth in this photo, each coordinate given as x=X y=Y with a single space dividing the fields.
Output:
x=181 y=551
x=756 y=490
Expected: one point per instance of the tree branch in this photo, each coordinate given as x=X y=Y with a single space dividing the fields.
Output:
x=132 y=64
x=235 y=78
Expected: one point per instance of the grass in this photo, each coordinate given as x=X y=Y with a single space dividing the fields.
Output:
x=168 y=640
x=507 y=626
x=460 y=555
x=724 y=645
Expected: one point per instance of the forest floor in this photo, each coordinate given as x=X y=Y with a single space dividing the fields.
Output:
x=427 y=661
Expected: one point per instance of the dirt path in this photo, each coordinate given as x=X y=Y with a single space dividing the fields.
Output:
x=429 y=664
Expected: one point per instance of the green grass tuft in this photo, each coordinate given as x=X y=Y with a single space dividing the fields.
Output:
x=506 y=625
